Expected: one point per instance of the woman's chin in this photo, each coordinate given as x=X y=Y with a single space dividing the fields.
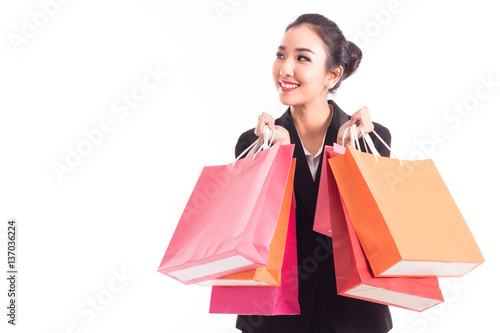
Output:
x=288 y=100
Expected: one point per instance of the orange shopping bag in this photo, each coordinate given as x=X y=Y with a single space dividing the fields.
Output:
x=405 y=217
x=269 y=275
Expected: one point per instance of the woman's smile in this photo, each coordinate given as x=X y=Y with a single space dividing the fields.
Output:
x=288 y=86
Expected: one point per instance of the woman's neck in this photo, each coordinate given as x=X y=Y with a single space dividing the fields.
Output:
x=311 y=122
x=312 y=116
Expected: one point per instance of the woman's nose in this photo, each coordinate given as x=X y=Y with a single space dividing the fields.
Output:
x=286 y=69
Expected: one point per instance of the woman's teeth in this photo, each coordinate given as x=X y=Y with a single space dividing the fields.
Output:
x=285 y=85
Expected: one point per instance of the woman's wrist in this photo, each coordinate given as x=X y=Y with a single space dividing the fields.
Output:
x=281 y=133
x=286 y=140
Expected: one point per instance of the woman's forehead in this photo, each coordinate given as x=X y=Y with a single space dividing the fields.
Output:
x=302 y=36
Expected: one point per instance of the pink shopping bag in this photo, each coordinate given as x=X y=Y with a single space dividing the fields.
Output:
x=328 y=194
x=269 y=275
x=355 y=278
x=230 y=218
x=264 y=300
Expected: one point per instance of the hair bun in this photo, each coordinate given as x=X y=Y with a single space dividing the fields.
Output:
x=354 y=56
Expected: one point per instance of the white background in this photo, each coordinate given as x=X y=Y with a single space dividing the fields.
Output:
x=116 y=210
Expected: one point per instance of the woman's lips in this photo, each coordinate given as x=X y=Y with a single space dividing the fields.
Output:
x=287 y=86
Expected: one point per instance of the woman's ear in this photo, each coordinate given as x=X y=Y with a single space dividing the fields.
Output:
x=334 y=77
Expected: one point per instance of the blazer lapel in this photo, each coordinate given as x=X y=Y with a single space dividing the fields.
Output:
x=338 y=119
x=305 y=188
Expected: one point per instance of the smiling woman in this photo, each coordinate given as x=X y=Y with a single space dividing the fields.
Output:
x=312 y=59
x=338 y=54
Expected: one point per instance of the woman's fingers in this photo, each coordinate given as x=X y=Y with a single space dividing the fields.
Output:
x=279 y=132
x=363 y=119
x=265 y=119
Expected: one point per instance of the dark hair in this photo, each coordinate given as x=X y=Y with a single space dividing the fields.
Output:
x=339 y=51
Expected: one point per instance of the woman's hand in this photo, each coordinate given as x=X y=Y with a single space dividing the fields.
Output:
x=361 y=118
x=281 y=132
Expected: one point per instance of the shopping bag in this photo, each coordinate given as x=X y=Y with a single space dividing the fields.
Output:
x=404 y=216
x=230 y=218
x=269 y=275
x=355 y=279
x=328 y=194
x=262 y=300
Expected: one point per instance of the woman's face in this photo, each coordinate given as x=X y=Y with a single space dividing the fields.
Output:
x=299 y=71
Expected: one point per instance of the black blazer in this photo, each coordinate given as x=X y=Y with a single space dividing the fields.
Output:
x=314 y=251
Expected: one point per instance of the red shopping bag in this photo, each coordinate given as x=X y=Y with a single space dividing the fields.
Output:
x=269 y=275
x=230 y=218
x=328 y=194
x=265 y=300
x=355 y=278
x=404 y=216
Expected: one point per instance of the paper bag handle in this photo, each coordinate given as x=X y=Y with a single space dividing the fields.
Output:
x=367 y=141
x=265 y=145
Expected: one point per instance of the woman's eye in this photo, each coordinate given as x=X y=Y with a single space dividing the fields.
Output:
x=280 y=55
x=302 y=58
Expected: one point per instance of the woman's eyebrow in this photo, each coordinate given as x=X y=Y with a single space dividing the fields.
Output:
x=299 y=49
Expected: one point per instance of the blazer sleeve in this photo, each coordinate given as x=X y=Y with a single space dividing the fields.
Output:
x=385 y=134
x=244 y=141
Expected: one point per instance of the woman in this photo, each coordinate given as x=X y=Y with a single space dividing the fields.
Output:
x=313 y=59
